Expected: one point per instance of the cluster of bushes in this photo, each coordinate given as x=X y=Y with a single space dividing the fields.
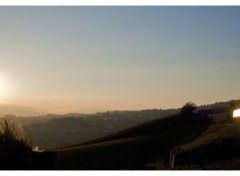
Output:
x=13 y=138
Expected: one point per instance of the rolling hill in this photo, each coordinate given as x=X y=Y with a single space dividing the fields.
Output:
x=131 y=149
x=217 y=148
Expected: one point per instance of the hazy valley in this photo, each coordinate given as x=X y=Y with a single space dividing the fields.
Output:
x=53 y=130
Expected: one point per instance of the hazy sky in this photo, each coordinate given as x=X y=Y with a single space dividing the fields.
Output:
x=88 y=59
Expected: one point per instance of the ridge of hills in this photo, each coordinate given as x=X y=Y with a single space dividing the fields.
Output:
x=52 y=130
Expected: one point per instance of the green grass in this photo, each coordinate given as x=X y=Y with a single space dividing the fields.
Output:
x=126 y=153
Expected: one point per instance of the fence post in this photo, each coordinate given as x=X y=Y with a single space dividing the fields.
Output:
x=170 y=158
x=173 y=160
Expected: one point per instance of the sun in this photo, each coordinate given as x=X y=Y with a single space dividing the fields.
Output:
x=236 y=113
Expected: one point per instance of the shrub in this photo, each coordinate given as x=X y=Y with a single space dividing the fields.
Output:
x=13 y=138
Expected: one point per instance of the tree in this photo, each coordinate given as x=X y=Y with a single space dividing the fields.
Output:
x=188 y=109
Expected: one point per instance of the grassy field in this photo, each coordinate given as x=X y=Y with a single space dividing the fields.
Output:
x=214 y=134
x=127 y=152
x=224 y=138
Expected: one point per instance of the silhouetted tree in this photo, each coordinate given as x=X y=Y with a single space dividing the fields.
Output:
x=188 y=109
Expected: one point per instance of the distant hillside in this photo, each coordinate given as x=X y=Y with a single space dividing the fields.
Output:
x=18 y=110
x=52 y=130
x=142 y=129
x=76 y=128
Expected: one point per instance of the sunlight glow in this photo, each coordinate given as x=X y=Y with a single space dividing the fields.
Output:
x=2 y=88
x=236 y=113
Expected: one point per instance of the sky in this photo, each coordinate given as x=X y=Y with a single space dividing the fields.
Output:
x=90 y=59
